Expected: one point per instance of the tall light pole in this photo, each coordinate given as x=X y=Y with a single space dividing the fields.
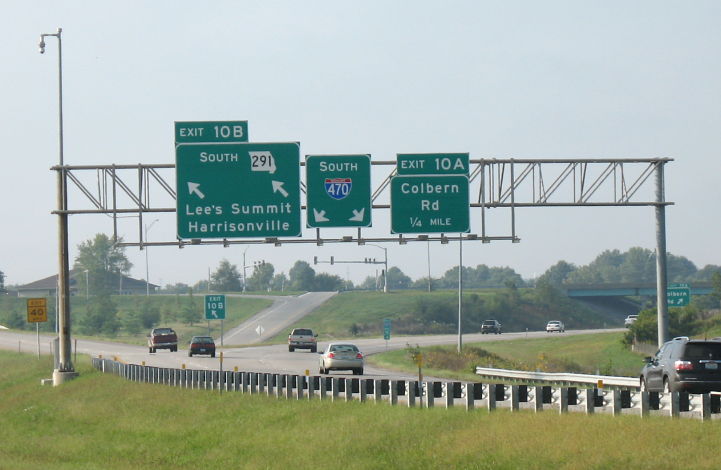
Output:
x=244 y=266
x=87 y=286
x=147 y=275
x=385 y=265
x=65 y=370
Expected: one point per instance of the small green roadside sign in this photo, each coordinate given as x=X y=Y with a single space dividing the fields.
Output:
x=339 y=190
x=387 y=329
x=210 y=131
x=430 y=204
x=678 y=295
x=215 y=307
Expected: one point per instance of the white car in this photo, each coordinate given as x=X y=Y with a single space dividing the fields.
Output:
x=341 y=356
x=555 y=326
x=630 y=320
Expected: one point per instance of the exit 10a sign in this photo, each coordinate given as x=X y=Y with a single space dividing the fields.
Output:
x=432 y=164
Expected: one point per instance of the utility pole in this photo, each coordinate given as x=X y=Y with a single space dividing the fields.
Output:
x=65 y=370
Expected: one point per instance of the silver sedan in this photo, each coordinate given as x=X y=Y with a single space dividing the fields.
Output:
x=341 y=356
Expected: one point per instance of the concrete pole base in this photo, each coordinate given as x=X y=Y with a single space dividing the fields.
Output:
x=60 y=377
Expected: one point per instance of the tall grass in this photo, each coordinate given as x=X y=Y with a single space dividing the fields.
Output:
x=600 y=353
x=104 y=422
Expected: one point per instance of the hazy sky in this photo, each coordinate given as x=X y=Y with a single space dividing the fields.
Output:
x=565 y=79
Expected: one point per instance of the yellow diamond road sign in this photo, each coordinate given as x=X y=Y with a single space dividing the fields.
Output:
x=37 y=310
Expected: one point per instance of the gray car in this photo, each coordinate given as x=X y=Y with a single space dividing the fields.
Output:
x=341 y=356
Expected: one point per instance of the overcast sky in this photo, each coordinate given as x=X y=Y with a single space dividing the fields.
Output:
x=564 y=79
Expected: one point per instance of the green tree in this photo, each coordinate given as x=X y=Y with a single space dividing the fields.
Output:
x=131 y=321
x=638 y=265
x=371 y=283
x=280 y=282
x=261 y=278
x=101 y=317
x=706 y=273
x=104 y=260
x=325 y=282
x=557 y=274
x=2 y=282
x=716 y=285
x=191 y=310
x=301 y=276
x=226 y=278
x=397 y=279
x=178 y=288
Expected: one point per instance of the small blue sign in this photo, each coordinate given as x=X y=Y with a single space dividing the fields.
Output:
x=338 y=188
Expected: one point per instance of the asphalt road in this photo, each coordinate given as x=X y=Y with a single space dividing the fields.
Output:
x=285 y=311
x=274 y=358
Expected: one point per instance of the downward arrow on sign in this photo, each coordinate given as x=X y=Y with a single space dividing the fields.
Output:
x=320 y=216
x=358 y=215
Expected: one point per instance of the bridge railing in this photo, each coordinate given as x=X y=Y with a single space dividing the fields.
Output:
x=412 y=393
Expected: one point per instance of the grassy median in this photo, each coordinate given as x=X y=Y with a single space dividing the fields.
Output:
x=104 y=422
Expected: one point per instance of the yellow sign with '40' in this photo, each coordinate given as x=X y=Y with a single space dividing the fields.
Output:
x=37 y=310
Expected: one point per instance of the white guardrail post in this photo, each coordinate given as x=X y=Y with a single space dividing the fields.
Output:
x=565 y=398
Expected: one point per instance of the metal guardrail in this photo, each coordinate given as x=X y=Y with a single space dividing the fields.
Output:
x=558 y=378
x=470 y=395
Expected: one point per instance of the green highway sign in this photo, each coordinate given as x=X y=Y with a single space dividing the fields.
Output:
x=432 y=164
x=215 y=307
x=210 y=131
x=387 y=329
x=338 y=190
x=242 y=190
x=429 y=204
x=678 y=296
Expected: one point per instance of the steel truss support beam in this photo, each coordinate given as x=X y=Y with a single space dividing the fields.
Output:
x=123 y=190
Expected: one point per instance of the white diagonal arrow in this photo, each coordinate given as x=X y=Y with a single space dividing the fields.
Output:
x=278 y=188
x=358 y=215
x=193 y=188
x=214 y=313
x=320 y=216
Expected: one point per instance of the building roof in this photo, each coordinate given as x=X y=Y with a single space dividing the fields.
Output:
x=51 y=282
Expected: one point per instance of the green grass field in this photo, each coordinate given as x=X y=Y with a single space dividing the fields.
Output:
x=334 y=319
x=104 y=422
x=591 y=354
x=238 y=309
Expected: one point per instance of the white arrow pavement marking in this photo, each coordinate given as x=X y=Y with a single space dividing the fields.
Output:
x=278 y=188
x=193 y=188
x=358 y=215
x=319 y=216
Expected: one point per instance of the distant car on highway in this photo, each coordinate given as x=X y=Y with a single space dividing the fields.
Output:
x=202 y=345
x=341 y=356
x=684 y=365
x=162 y=338
x=302 y=338
x=556 y=326
x=491 y=326
x=630 y=320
